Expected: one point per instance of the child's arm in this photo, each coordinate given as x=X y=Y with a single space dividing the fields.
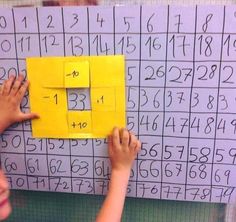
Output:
x=123 y=148
x=11 y=94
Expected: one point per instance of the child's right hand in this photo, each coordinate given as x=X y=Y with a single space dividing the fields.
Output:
x=122 y=148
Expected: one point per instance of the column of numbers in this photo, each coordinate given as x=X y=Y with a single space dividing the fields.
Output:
x=223 y=185
x=204 y=102
x=101 y=42
x=127 y=40
x=57 y=153
x=179 y=74
x=12 y=140
x=76 y=31
x=153 y=52
x=51 y=31
x=8 y=64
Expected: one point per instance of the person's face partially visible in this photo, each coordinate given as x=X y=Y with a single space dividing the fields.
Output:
x=69 y=2
x=77 y=2
x=5 y=206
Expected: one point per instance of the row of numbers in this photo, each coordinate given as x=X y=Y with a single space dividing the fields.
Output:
x=148 y=170
x=154 y=19
x=147 y=189
x=199 y=125
x=197 y=100
x=77 y=45
x=172 y=149
x=181 y=74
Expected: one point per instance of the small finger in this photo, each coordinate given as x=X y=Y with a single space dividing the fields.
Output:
x=21 y=92
x=3 y=87
x=110 y=145
x=17 y=85
x=125 y=137
x=138 y=146
x=7 y=85
x=133 y=141
x=115 y=137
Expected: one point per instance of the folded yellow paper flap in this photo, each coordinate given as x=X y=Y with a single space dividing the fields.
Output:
x=103 y=99
x=79 y=121
x=76 y=74
x=48 y=99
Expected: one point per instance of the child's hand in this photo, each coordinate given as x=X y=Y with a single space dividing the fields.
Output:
x=11 y=94
x=122 y=148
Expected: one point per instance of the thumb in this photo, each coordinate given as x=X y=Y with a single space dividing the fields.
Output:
x=28 y=116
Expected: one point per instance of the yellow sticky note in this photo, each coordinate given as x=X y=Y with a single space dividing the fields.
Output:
x=103 y=99
x=79 y=121
x=76 y=74
x=51 y=99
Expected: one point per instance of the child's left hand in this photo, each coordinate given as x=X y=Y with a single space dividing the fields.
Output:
x=11 y=94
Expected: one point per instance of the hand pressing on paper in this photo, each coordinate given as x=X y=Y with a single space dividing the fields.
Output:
x=11 y=94
x=123 y=148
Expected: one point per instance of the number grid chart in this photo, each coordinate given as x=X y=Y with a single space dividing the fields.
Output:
x=180 y=90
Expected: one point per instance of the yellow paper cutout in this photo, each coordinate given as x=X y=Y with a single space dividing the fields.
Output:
x=103 y=99
x=79 y=121
x=104 y=75
x=76 y=74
